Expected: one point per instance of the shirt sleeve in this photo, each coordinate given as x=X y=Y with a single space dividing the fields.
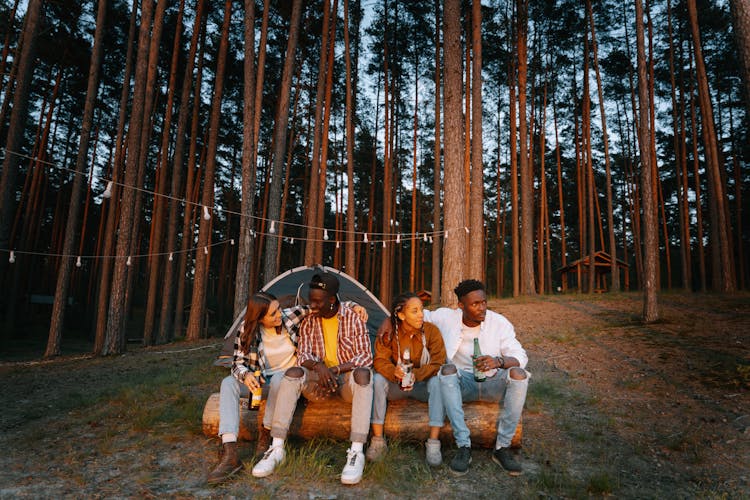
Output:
x=358 y=339
x=241 y=361
x=383 y=361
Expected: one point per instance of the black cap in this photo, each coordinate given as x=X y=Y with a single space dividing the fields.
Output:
x=325 y=281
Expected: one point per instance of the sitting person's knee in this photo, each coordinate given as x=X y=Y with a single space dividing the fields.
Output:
x=448 y=369
x=517 y=373
x=362 y=376
x=294 y=372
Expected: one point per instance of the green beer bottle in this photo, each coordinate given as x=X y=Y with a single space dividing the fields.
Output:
x=479 y=375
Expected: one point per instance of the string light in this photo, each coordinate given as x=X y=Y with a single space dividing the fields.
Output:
x=337 y=245
x=383 y=243
x=78 y=261
x=205 y=250
x=108 y=191
x=231 y=242
x=466 y=229
x=12 y=257
x=325 y=234
x=425 y=237
x=170 y=257
x=272 y=229
x=206 y=213
x=398 y=238
x=430 y=239
x=365 y=239
x=128 y=262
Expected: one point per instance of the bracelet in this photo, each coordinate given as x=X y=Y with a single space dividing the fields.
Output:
x=338 y=370
x=501 y=360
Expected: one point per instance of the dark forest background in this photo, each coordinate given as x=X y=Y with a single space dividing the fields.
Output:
x=162 y=160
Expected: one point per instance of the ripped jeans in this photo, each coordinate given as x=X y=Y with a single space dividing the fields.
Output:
x=290 y=388
x=461 y=387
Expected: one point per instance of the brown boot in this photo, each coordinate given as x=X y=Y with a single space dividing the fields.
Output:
x=230 y=464
x=264 y=441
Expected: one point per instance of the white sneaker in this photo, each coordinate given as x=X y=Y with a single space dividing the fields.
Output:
x=432 y=452
x=355 y=465
x=271 y=458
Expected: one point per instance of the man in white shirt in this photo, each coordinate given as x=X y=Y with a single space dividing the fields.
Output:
x=502 y=360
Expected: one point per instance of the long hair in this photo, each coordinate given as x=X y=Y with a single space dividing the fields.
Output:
x=398 y=305
x=257 y=307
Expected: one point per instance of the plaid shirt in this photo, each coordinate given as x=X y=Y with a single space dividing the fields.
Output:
x=248 y=362
x=353 y=342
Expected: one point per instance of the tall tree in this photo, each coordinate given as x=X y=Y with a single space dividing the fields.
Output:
x=72 y=222
x=245 y=250
x=476 y=205
x=270 y=269
x=115 y=335
x=455 y=240
x=202 y=258
x=436 y=177
x=650 y=249
x=527 y=282
x=14 y=142
x=741 y=23
x=725 y=281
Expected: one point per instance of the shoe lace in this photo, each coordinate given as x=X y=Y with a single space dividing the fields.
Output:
x=351 y=457
x=268 y=453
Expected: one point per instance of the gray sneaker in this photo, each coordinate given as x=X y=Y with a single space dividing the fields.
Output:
x=378 y=447
x=432 y=452
x=461 y=460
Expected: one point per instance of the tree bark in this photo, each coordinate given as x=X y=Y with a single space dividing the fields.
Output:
x=650 y=249
x=14 y=141
x=455 y=238
x=741 y=23
x=270 y=269
x=476 y=206
x=202 y=259
x=71 y=226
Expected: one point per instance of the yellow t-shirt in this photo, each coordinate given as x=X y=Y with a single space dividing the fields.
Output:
x=331 y=340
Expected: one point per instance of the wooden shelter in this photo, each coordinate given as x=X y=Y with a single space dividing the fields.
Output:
x=602 y=266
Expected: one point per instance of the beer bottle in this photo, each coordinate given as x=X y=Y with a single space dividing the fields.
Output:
x=479 y=375
x=407 y=381
x=256 y=395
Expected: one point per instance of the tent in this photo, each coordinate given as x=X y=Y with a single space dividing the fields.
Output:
x=294 y=283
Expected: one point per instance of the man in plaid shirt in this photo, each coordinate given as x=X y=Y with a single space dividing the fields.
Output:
x=333 y=357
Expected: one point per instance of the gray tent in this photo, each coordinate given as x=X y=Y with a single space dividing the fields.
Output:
x=294 y=283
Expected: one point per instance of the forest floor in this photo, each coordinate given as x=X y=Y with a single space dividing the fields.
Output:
x=615 y=408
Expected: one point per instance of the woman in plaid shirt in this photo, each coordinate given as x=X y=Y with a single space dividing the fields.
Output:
x=266 y=341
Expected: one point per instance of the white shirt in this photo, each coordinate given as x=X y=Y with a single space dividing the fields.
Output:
x=497 y=337
x=463 y=358
x=278 y=350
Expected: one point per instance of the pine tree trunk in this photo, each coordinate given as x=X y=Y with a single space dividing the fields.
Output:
x=202 y=259
x=650 y=306
x=741 y=23
x=528 y=286
x=725 y=281
x=455 y=240
x=15 y=139
x=351 y=264
x=436 y=178
x=476 y=207
x=155 y=275
x=115 y=336
x=71 y=227
x=270 y=269
x=177 y=191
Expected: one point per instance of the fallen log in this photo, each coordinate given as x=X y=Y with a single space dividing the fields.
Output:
x=405 y=419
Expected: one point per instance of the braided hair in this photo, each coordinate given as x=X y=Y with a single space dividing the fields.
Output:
x=398 y=305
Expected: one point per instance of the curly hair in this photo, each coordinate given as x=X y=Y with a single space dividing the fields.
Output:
x=468 y=286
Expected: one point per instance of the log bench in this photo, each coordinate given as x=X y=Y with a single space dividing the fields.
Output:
x=405 y=419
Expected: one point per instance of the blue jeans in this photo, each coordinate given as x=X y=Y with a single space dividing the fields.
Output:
x=229 y=402
x=461 y=387
x=426 y=391
x=290 y=389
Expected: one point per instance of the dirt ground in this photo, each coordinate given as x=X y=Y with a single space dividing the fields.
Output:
x=615 y=408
